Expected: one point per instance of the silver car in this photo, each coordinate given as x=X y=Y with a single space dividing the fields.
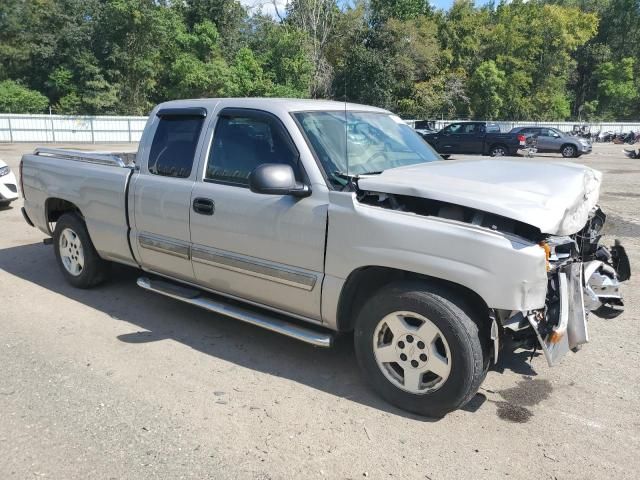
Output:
x=552 y=140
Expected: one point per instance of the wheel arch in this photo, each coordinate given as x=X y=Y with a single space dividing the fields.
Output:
x=365 y=281
x=55 y=207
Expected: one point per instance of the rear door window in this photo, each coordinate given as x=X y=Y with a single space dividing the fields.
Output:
x=453 y=128
x=174 y=145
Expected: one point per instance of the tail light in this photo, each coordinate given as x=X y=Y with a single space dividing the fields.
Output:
x=522 y=139
x=21 y=180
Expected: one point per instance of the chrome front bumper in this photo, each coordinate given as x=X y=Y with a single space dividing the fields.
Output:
x=571 y=330
x=594 y=287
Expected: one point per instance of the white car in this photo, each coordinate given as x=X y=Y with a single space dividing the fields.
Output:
x=8 y=185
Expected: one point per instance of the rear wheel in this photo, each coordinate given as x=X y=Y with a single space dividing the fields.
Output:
x=420 y=349
x=77 y=258
x=498 y=151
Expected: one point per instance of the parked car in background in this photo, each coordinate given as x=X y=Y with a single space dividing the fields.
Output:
x=8 y=185
x=483 y=138
x=552 y=140
x=424 y=127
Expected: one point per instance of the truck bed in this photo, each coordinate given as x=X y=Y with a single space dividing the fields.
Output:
x=96 y=182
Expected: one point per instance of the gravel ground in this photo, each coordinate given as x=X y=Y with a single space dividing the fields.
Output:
x=117 y=383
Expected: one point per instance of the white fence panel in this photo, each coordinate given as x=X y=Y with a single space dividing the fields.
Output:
x=113 y=129
x=617 y=127
x=70 y=129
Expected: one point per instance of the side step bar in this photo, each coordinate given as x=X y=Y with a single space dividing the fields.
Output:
x=264 y=320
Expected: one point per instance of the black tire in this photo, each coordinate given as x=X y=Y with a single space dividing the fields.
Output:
x=498 y=151
x=456 y=320
x=569 y=151
x=95 y=269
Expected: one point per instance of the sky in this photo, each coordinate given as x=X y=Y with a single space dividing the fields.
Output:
x=447 y=3
x=267 y=6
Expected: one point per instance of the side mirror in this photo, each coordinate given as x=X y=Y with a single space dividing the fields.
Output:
x=276 y=179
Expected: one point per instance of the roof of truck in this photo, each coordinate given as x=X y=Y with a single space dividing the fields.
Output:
x=271 y=104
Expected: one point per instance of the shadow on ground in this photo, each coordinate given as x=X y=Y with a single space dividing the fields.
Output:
x=332 y=370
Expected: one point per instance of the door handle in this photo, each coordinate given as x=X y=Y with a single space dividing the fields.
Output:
x=203 y=206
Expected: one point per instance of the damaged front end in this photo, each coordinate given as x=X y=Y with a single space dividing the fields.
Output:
x=583 y=277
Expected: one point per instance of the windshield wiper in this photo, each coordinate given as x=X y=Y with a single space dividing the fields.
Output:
x=350 y=176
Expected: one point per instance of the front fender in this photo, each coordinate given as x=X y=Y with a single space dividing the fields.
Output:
x=508 y=273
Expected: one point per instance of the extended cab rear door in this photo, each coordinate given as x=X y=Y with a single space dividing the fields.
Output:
x=268 y=249
x=461 y=138
x=162 y=191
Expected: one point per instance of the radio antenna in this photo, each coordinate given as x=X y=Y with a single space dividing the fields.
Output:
x=346 y=131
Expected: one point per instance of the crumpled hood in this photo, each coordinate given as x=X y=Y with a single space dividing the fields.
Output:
x=554 y=197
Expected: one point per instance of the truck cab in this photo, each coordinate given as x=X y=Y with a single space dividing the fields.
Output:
x=197 y=219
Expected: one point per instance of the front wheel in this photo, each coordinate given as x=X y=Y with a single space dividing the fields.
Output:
x=77 y=258
x=569 y=151
x=420 y=349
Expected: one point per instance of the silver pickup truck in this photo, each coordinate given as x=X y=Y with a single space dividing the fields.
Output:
x=311 y=218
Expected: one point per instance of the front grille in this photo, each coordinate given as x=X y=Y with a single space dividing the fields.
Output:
x=11 y=187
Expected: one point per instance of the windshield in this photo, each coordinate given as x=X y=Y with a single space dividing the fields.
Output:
x=373 y=142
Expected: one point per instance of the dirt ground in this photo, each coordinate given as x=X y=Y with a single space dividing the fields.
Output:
x=119 y=383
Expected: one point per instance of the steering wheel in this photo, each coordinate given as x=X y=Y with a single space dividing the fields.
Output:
x=379 y=153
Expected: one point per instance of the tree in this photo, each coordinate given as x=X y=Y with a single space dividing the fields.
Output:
x=248 y=77
x=316 y=18
x=197 y=67
x=486 y=88
x=227 y=16
x=533 y=43
x=284 y=54
x=617 y=89
x=14 y=98
x=131 y=40
x=517 y=59
x=383 y=10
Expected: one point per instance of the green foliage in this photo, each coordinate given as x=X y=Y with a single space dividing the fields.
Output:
x=383 y=10
x=486 y=87
x=14 y=98
x=536 y=59
x=617 y=89
x=284 y=54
